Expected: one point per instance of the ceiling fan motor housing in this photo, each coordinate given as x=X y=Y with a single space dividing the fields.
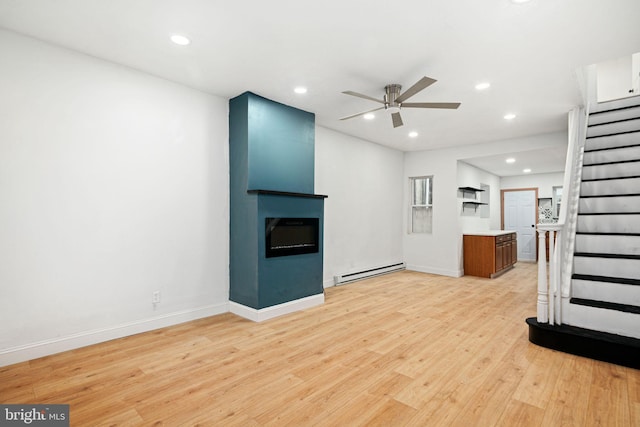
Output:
x=392 y=92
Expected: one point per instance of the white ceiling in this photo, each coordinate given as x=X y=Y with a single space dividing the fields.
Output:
x=529 y=52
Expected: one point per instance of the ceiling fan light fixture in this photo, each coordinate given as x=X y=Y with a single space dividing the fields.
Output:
x=393 y=100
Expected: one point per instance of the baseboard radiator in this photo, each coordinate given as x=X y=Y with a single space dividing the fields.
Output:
x=352 y=277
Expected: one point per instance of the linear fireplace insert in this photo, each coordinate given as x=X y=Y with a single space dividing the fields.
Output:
x=291 y=236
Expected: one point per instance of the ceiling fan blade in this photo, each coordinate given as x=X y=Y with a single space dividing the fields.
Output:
x=397 y=120
x=361 y=114
x=423 y=83
x=450 y=105
x=359 y=95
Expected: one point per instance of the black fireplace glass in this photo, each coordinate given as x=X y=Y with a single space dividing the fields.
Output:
x=291 y=236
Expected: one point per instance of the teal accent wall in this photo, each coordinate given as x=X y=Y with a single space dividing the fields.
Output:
x=243 y=256
x=271 y=147
x=288 y=278
x=281 y=148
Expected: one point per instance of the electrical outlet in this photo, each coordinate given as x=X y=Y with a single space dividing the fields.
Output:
x=155 y=297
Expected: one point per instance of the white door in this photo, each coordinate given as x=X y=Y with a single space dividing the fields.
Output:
x=519 y=213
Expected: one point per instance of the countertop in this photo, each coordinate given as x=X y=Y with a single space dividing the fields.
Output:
x=488 y=233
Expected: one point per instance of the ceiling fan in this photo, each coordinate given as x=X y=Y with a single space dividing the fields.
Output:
x=394 y=100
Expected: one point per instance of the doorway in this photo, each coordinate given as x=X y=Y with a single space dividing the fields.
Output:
x=519 y=213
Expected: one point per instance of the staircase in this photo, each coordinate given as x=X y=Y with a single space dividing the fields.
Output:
x=604 y=307
x=606 y=270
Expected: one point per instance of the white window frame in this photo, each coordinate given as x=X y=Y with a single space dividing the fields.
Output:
x=413 y=206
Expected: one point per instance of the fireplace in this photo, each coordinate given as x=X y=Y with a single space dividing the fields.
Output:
x=291 y=236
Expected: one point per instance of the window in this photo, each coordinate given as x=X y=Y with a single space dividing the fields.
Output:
x=421 y=204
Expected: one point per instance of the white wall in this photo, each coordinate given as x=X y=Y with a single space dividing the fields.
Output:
x=435 y=252
x=114 y=184
x=364 y=211
x=544 y=182
x=470 y=219
x=440 y=252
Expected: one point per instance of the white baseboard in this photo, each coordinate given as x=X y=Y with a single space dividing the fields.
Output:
x=434 y=270
x=31 y=351
x=275 y=310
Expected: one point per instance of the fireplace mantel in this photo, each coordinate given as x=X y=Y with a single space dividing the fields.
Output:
x=287 y=193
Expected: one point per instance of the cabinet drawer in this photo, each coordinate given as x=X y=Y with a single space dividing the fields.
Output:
x=505 y=237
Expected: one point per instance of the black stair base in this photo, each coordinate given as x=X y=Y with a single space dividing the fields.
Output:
x=597 y=345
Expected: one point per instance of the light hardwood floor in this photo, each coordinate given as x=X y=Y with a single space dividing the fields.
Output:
x=404 y=349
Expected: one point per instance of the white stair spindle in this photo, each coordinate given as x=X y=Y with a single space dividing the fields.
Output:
x=543 y=293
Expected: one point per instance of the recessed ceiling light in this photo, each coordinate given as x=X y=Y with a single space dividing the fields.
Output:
x=413 y=134
x=300 y=90
x=483 y=86
x=510 y=160
x=180 y=39
x=527 y=170
x=369 y=116
x=509 y=116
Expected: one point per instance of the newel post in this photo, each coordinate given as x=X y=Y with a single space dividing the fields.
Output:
x=543 y=292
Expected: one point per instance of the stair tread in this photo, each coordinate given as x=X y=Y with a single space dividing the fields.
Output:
x=606 y=255
x=608 y=179
x=602 y=233
x=608 y=213
x=614 y=133
x=617 y=162
x=611 y=148
x=613 y=121
x=608 y=279
x=595 y=196
x=627 y=308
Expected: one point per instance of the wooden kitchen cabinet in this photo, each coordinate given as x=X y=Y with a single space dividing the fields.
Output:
x=489 y=254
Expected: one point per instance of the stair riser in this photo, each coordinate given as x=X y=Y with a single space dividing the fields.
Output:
x=598 y=319
x=612 y=186
x=610 y=267
x=613 y=128
x=612 y=141
x=613 y=155
x=618 y=204
x=614 y=116
x=618 y=170
x=595 y=243
x=606 y=291
x=618 y=103
x=609 y=223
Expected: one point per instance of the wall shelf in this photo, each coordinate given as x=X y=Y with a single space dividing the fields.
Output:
x=474 y=204
x=471 y=201
x=471 y=190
